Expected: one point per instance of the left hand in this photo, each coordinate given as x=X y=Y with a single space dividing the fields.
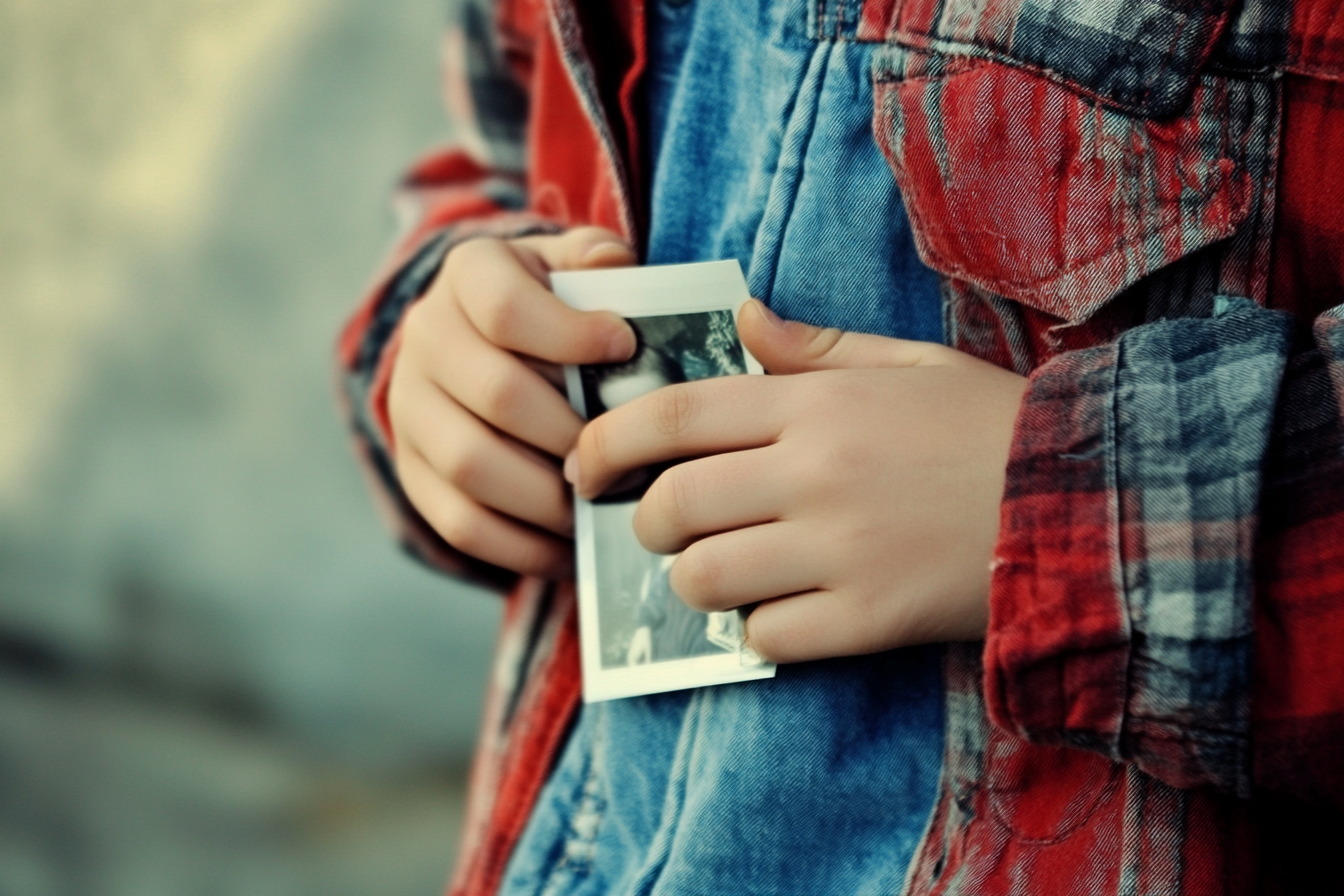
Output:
x=855 y=499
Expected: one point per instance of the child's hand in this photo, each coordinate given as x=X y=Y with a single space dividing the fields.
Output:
x=477 y=416
x=857 y=498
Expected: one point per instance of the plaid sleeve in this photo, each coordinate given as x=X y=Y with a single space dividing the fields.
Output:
x=1298 y=711
x=1173 y=513
x=474 y=188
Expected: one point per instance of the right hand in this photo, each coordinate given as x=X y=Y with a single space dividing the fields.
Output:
x=478 y=416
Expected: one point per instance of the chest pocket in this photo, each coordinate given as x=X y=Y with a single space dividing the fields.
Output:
x=1056 y=152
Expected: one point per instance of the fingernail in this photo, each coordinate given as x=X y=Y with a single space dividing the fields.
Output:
x=604 y=248
x=572 y=468
x=771 y=317
x=622 y=344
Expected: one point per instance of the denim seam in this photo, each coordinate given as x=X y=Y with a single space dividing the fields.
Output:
x=660 y=850
x=793 y=157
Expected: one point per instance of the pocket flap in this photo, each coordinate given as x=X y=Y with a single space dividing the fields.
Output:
x=1142 y=55
x=1023 y=187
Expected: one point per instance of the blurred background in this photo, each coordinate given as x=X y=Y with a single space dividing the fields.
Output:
x=217 y=675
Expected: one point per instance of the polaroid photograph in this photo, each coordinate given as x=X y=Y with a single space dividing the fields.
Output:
x=636 y=636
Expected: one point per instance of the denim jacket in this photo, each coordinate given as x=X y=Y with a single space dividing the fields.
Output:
x=1140 y=206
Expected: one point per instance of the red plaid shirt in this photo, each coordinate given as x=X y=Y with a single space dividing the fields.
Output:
x=1140 y=205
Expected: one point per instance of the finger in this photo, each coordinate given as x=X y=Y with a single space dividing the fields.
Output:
x=581 y=247
x=551 y=373
x=745 y=566
x=685 y=420
x=491 y=470
x=819 y=624
x=513 y=310
x=785 y=347
x=508 y=394
x=711 y=494
x=479 y=531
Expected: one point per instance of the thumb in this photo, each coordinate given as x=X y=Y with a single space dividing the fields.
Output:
x=785 y=347
x=581 y=247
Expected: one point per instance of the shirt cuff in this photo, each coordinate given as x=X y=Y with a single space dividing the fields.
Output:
x=1121 y=604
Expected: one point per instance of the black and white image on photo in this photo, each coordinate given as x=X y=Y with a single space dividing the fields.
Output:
x=640 y=619
x=672 y=348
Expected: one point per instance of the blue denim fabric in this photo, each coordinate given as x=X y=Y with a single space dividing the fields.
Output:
x=764 y=152
x=821 y=780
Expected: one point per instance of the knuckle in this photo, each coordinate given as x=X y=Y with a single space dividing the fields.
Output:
x=586 y=232
x=675 y=411
x=468 y=254
x=432 y=318
x=809 y=469
x=870 y=622
x=681 y=496
x=534 y=253
x=674 y=499
x=421 y=329
x=460 y=466
x=578 y=237
x=763 y=636
x=595 y=447
x=501 y=313
x=500 y=395
x=456 y=522
x=698 y=576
